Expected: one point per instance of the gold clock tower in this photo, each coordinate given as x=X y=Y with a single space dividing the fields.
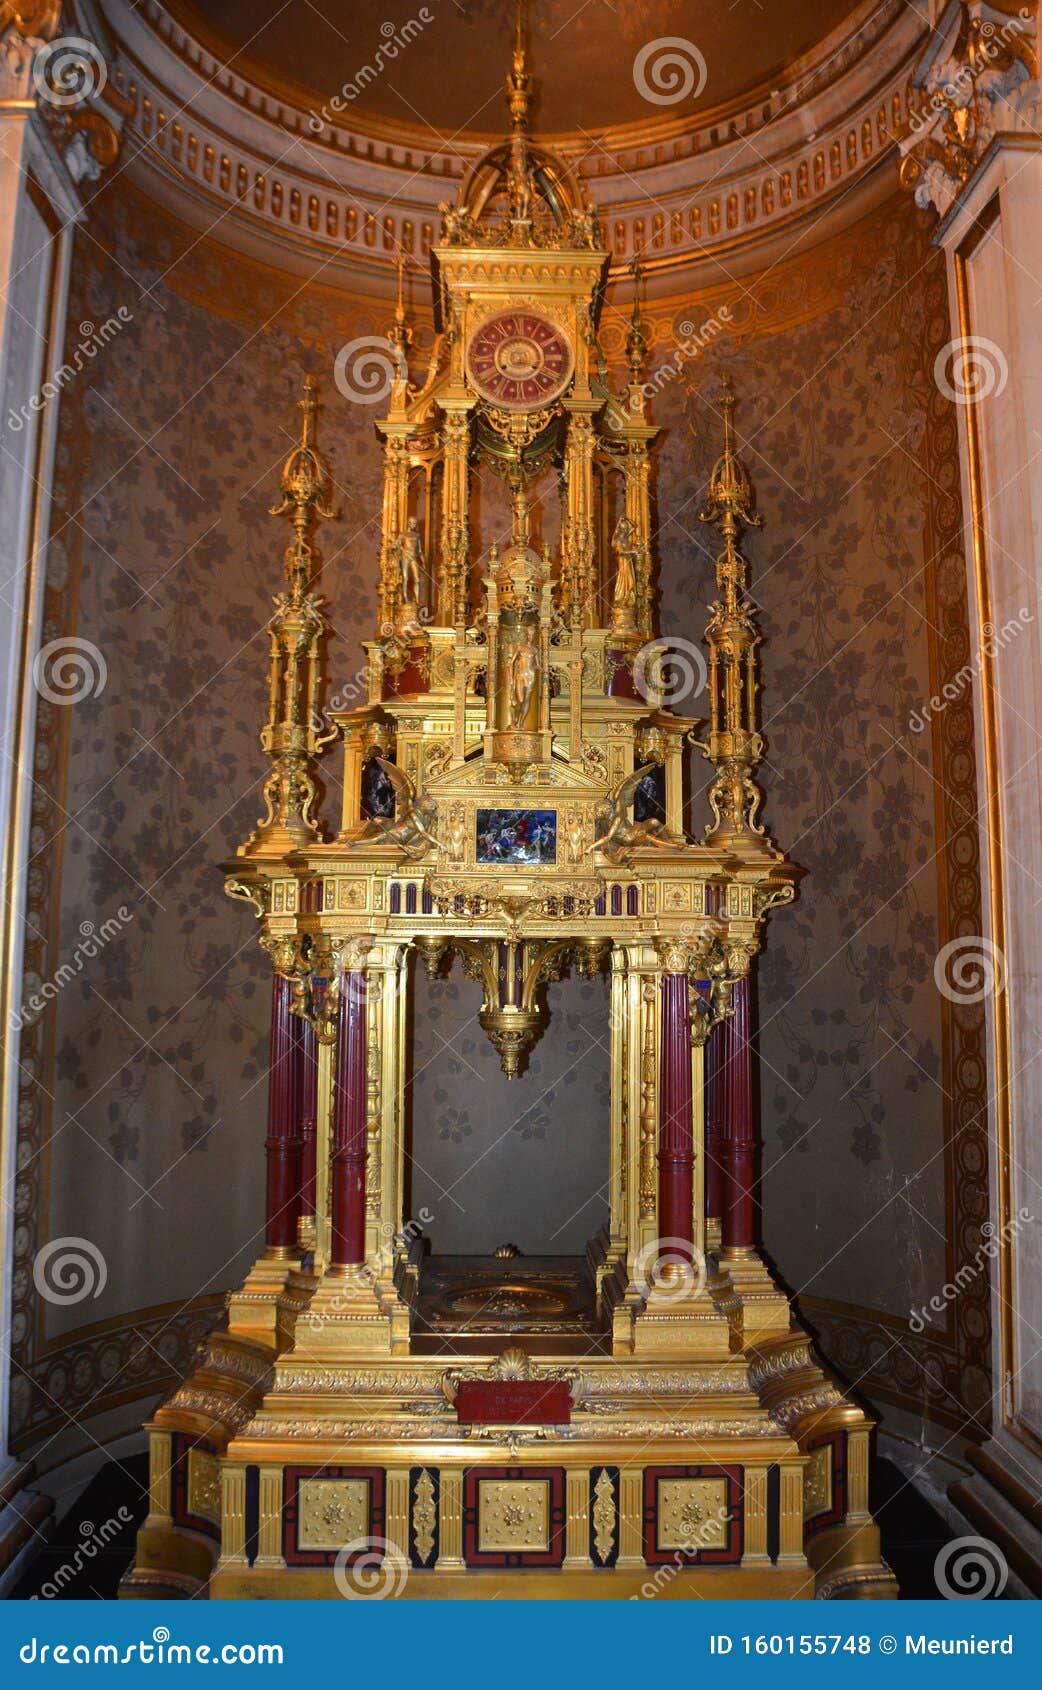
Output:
x=649 y=1418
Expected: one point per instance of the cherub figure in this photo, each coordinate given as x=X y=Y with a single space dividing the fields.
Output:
x=617 y=835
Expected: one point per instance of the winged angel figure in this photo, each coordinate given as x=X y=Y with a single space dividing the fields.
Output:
x=410 y=829
x=617 y=835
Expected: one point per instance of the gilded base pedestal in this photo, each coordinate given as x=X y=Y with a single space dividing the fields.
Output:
x=725 y=1468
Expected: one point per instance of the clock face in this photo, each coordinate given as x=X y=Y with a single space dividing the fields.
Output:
x=519 y=360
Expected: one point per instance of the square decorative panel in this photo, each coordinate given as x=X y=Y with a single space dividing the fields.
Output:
x=825 y=1481
x=326 y=1508
x=204 y=1484
x=514 y=1515
x=817 y=1482
x=693 y=1516
x=332 y=1512
x=195 y=1491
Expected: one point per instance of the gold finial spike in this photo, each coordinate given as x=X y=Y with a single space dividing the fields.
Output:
x=400 y=334
x=730 y=500
x=400 y=263
x=309 y=405
x=636 y=339
x=733 y=744
x=305 y=489
x=519 y=83
x=293 y=735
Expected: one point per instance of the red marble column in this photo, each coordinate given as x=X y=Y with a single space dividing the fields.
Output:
x=676 y=1150
x=283 y=1141
x=737 y=1127
x=714 y=1177
x=307 y=1104
x=348 y=1157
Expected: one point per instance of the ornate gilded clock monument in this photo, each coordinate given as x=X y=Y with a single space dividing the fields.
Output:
x=650 y=1420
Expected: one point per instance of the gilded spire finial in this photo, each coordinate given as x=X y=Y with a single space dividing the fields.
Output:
x=293 y=736
x=400 y=335
x=730 y=503
x=637 y=338
x=733 y=744
x=519 y=83
x=305 y=489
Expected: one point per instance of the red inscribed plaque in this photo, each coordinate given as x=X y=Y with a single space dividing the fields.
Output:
x=514 y=1402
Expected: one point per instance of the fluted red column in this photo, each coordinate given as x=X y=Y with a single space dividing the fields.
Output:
x=738 y=1129
x=348 y=1156
x=714 y=1178
x=307 y=1104
x=283 y=1140
x=676 y=1159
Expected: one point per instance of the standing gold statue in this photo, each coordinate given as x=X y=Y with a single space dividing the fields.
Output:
x=625 y=545
x=411 y=560
x=524 y=673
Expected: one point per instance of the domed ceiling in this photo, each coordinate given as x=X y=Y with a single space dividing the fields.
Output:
x=447 y=74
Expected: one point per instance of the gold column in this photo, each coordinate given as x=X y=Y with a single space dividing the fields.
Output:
x=790 y=1527
x=455 y=518
x=578 y=605
x=631 y=1517
x=160 y=1459
x=577 y=1513
x=674 y=748
x=386 y=965
x=396 y=1516
x=638 y=509
x=857 y=1475
x=755 y=1517
x=450 y=1535
x=269 y=1536
x=394 y=516
x=233 y=1515
x=354 y=761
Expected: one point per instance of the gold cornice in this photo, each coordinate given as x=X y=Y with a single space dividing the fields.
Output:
x=232 y=286
x=470 y=143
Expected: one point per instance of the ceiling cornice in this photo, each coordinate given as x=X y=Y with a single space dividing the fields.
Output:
x=241 y=161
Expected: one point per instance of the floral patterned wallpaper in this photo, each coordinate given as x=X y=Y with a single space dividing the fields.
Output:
x=146 y=1089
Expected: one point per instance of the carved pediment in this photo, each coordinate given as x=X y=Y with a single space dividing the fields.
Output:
x=555 y=780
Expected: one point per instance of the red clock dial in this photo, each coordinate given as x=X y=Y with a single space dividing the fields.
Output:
x=519 y=360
